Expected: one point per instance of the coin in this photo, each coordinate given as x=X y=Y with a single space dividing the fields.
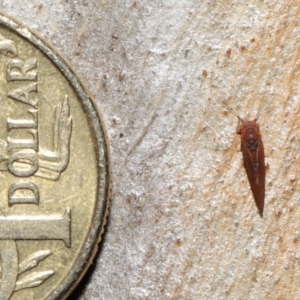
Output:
x=53 y=166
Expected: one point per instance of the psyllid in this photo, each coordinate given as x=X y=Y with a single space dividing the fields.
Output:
x=253 y=156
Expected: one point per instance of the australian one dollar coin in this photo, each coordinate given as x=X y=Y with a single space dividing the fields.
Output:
x=54 y=177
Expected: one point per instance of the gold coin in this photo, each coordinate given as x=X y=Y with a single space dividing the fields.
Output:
x=53 y=167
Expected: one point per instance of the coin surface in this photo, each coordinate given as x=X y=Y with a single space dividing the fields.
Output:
x=53 y=166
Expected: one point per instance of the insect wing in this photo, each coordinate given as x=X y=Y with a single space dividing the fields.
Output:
x=254 y=163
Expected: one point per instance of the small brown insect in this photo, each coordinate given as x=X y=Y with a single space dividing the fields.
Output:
x=253 y=155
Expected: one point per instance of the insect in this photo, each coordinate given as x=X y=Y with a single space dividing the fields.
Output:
x=253 y=156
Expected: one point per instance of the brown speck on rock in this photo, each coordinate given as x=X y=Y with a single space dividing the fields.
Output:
x=121 y=76
x=134 y=5
x=178 y=243
x=243 y=48
x=39 y=8
x=204 y=73
x=228 y=52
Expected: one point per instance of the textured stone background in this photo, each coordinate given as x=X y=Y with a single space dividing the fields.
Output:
x=183 y=223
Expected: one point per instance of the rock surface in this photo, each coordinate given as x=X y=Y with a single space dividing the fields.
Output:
x=183 y=223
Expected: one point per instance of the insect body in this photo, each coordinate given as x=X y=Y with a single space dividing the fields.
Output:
x=254 y=157
x=254 y=160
